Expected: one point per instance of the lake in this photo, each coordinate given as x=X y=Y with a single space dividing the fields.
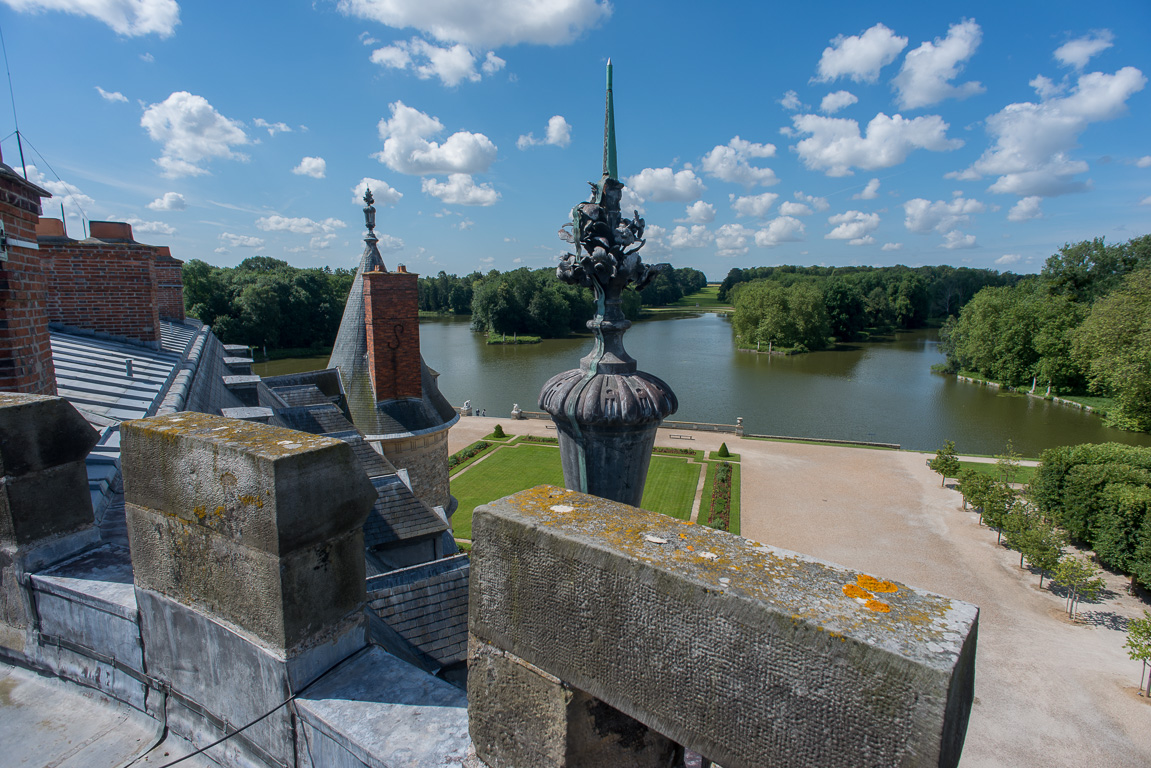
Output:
x=879 y=392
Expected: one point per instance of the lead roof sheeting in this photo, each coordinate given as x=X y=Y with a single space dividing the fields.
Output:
x=398 y=515
x=427 y=605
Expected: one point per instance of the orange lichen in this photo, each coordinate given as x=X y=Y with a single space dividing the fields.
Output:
x=873 y=584
x=852 y=590
x=878 y=607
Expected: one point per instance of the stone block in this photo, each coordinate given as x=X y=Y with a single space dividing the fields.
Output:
x=521 y=716
x=37 y=432
x=748 y=654
x=256 y=525
x=45 y=503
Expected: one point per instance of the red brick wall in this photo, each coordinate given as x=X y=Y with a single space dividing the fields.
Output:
x=392 y=317
x=25 y=348
x=106 y=287
x=170 y=277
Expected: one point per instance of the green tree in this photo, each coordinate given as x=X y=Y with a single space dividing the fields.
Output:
x=1081 y=580
x=946 y=462
x=1138 y=647
x=1113 y=345
x=1042 y=544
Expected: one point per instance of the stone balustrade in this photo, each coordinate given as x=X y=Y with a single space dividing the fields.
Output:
x=602 y=634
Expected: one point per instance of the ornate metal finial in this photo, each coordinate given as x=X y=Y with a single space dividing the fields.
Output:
x=369 y=211
x=609 y=164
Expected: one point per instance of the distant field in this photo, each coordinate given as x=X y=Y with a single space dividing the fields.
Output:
x=705 y=299
x=670 y=487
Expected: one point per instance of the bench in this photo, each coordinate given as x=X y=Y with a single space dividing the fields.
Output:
x=683 y=437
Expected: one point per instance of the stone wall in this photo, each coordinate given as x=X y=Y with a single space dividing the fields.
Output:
x=391 y=316
x=426 y=459
x=25 y=348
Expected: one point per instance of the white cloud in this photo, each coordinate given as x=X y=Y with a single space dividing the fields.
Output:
x=852 y=225
x=111 y=95
x=731 y=240
x=791 y=102
x=928 y=70
x=139 y=226
x=1026 y=209
x=870 y=192
x=191 y=131
x=171 y=201
x=835 y=144
x=460 y=189
x=559 y=134
x=241 y=241
x=322 y=242
x=665 y=185
x=1143 y=162
x=729 y=162
x=699 y=212
x=925 y=216
x=818 y=203
x=147 y=58
x=656 y=242
x=865 y=240
x=1008 y=258
x=388 y=243
x=272 y=128
x=756 y=206
x=1076 y=53
x=381 y=191
x=299 y=226
x=367 y=39
x=860 y=57
x=465 y=224
x=1032 y=142
x=955 y=240
x=131 y=18
x=316 y=167
x=451 y=64
x=77 y=205
x=892 y=247
x=1145 y=201
x=794 y=209
x=833 y=102
x=486 y=25
x=696 y=237
x=784 y=229
x=408 y=150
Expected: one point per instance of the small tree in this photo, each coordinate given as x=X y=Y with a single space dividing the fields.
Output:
x=1042 y=545
x=946 y=462
x=498 y=432
x=974 y=487
x=998 y=502
x=1139 y=646
x=722 y=452
x=1081 y=579
x=1008 y=463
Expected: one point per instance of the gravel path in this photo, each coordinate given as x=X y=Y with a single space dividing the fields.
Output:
x=1048 y=691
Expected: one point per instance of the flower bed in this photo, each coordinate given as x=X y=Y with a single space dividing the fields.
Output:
x=676 y=452
x=473 y=450
x=536 y=439
x=719 y=512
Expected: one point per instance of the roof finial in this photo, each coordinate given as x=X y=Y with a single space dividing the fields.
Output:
x=369 y=211
x=609 y=165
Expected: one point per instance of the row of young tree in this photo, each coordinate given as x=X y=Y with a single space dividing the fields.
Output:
x=535 y=302
x=803 y=308
x=1082 y=325
x=267 y=302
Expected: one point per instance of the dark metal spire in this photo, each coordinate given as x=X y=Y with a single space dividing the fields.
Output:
x=370 y=213
x=609 y=165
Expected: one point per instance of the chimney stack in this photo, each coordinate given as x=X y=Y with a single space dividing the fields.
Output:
x=392 y=322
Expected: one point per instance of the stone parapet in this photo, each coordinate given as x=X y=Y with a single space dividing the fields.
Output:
x=425 y=457
x=747 y=654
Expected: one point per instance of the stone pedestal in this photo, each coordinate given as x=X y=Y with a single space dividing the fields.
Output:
x=248 y=556
x=45 y=509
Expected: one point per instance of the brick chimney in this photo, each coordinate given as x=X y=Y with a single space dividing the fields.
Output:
x=391 y=317
x=170 y=285
x=25 y=347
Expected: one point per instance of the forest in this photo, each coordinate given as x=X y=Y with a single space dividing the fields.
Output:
x=1083 y=324
x=799 y=309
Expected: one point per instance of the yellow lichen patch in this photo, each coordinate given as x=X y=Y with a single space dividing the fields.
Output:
x=852 y=590
x=878 y=607
x=873 y=584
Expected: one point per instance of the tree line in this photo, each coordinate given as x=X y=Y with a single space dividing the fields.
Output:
x=1082 y=325
x=535 y=302
x=267 y=302
x=804 y=308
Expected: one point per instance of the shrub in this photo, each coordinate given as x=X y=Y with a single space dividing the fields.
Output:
x=459 y=457
x=498 y=432
x=722 y=453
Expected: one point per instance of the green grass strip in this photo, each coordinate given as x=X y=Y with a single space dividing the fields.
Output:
x=471 y=459
x=714 y=456
x=1023 y=474
x=670 y=486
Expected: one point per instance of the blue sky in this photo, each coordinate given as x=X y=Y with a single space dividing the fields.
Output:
x=749 y=133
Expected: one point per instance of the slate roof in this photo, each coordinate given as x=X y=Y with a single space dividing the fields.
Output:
x=398 y=515
x=427 y=605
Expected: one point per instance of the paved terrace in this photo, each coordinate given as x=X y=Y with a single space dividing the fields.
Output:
x=1047 y=691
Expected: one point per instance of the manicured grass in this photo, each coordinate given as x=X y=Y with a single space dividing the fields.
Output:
x=704 y=300
x=1022 y=474
x=732 y=457
x=481 y=452
x=670 y=486
x=506 y=438
x=503 y=338
x=1100 y=404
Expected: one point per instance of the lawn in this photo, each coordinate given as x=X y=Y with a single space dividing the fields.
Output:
x=1022 y=475
x=670 y=488
x=706 y=300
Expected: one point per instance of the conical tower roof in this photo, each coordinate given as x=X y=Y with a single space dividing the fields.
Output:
x=430 y=413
